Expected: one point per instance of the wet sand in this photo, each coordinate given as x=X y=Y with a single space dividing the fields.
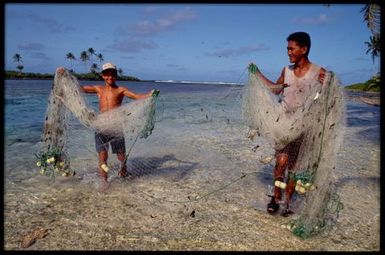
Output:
x=177 y=198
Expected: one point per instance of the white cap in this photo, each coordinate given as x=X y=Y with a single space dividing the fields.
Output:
x=108 y=66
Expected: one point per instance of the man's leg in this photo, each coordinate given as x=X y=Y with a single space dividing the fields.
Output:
x=292 y=161
x=290 y=187
x=123 y=167
x=289 y=191
x=103 y=156
x=101 y=144
x=278 y=174
x=118 y=146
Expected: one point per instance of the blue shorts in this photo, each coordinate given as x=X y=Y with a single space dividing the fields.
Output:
x=102 y=143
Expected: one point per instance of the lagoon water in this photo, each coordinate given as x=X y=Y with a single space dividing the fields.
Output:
x=197 y=148
x=180 y=106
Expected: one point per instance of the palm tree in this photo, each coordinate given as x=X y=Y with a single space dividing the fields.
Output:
x=372 y=14
x=120 y=71
x=94 y=68
x=71 y=58
x=372 y=17
x=84 y=57
x=20 y=67
x=374 y=47
x=91 y=51
x=17 y=58
x=100 y=57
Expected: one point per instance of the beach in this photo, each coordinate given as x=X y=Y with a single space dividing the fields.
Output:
x=197 y=183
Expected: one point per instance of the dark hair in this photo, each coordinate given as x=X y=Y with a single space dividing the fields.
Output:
x=302 y=39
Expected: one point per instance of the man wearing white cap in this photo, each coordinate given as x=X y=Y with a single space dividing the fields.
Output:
x=110 y=96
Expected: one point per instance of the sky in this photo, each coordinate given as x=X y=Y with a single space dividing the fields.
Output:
x=187 y=42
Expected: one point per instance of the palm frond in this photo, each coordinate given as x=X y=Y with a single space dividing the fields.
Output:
x=372 y=15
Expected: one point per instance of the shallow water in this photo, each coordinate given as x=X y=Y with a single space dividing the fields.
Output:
x=195 y=159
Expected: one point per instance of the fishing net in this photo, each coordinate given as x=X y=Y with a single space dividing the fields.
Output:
x=129 y=121
x=319 y=123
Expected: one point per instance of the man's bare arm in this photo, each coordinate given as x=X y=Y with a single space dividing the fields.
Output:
x=89 y=89
x=133 y=95
x=277 y=87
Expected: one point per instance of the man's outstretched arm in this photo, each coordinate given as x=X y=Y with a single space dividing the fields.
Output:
x=133 y=95
x=277 y=87
x=89 y=89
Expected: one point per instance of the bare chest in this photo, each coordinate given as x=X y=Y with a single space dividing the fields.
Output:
x=109 y=98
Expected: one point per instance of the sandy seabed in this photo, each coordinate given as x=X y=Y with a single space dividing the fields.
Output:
x=177 y=198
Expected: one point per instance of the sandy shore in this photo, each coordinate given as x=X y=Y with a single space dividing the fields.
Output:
x=167 y=205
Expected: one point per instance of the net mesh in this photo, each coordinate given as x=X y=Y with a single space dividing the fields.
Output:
x=129 y=121
x=320 y=123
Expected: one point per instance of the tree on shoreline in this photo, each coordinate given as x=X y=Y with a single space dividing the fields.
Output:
x=94 y=70
x=91 y=74
x=120 y=71
x=91 y=52
x=71 y=57
x=374 y=47
x=100 y=57
x=372 y=14
x=84 y=57
x=17 y=58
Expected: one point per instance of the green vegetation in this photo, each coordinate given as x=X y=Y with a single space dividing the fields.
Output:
x=18 y=75
x=17 y=58
x=83 y=76
x=85 y=57
x=371 y=16
x=370 y=85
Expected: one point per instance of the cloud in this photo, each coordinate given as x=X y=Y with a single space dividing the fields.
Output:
x=225 y=53
x=318 y=20
x=51 y=24
x=132 y=45
x=39 y=56
x=166 y=23
x=30 y=46
x=132 y=34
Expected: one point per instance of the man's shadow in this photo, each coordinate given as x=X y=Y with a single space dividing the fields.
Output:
x=155 y=166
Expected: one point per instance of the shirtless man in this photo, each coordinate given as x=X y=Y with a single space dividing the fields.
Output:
x=110 y=96
x=293 y=84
